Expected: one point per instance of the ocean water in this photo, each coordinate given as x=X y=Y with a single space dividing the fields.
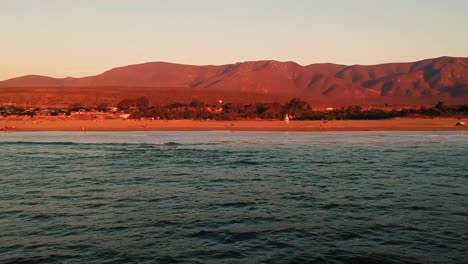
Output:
x=234 y=197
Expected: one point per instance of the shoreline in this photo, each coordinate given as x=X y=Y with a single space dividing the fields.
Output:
x=64 y=124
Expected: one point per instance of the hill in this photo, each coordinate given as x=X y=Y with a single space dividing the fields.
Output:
x=444 y=78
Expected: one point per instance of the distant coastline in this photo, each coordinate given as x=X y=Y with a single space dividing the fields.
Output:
x=61 y=124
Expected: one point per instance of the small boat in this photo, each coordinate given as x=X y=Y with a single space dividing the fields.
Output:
x=460 y=123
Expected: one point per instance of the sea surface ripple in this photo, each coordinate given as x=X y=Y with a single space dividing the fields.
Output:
x=234 y=197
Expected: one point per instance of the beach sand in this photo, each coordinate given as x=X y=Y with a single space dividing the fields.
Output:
x=66 y=124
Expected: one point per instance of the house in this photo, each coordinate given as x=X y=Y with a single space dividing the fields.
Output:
x=124 y=116
x=217 y=109
x=321 y=109
x=112 y=109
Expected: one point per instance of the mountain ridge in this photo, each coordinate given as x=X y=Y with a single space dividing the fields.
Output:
x=432 y=78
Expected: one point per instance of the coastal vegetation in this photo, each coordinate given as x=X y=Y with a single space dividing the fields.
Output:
x=142 y=108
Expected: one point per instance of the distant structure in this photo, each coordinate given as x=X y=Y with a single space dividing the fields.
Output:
x=217 y=109
x=125 y=116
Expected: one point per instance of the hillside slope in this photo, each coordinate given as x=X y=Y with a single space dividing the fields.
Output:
x=444 y=77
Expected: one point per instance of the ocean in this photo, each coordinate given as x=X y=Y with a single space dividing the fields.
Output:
x=234 y=197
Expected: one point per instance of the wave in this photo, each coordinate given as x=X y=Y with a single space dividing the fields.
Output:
x=71 y=143
x=37 y=143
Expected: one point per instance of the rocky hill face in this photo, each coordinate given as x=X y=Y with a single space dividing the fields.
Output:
x=444 y=77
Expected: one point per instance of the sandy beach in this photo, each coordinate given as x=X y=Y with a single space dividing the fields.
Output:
x=65 y=124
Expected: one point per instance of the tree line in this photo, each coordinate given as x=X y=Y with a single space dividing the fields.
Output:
x=296 y=108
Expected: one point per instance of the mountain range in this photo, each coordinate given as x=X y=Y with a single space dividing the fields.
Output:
x=438 y=78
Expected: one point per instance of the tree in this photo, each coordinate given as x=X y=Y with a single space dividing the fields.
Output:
x=440 y=105
x=260 y=109
x=143 y=104
x=270 y=110
x=102 y=107
x=297 y=108
x=125 y=104
x=229 y=108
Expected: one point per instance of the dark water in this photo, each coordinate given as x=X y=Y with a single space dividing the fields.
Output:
x=234 y=197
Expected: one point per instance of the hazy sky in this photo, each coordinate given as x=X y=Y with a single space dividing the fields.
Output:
x=85 y=37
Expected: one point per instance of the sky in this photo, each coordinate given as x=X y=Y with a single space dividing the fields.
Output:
x=62 y=38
